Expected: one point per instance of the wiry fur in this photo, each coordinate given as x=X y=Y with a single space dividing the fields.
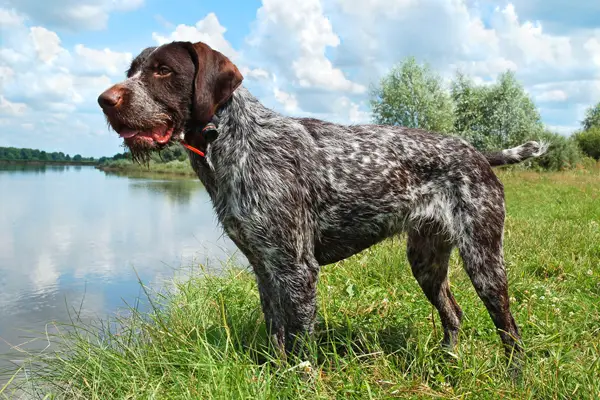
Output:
x=295 y=194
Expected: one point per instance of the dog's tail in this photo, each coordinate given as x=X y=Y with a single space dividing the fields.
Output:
x=516 y=154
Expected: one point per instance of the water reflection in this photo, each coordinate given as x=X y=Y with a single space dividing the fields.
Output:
x=71 y=230
x=180 y=191
x=32 y=168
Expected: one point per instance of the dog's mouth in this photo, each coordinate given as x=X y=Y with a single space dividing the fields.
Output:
x=157 y=135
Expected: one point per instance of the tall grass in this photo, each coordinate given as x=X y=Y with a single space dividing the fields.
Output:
x=377 y=336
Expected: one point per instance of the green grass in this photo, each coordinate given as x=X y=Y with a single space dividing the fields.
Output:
x=377 y=336
x=175 y=167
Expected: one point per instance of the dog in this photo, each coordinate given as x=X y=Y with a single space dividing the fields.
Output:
x=295 y=194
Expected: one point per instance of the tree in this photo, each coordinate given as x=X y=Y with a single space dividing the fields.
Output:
x=494 y=116
x=469 y=101
x=589 y=141
x=592 y=118
x=412 y=95
x=77 y=158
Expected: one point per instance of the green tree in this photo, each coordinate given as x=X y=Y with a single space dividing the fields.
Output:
x=77 y=158
x=494 y=116
x=412 y=95
x=592 y=118
x=589 y=141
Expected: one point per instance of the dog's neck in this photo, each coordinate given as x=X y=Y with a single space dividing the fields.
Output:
x=238 y=120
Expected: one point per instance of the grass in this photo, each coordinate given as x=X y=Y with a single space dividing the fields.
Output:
x=174 y=167
x=377 y=336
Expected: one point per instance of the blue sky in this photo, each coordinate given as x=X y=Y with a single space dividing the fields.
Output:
x=311 y=58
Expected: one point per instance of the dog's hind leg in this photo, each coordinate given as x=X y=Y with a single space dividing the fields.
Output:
x=482 y=253
x=428 y=253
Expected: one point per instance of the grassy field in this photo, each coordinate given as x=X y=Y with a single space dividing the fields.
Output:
x=182 y=168
x=377 y=335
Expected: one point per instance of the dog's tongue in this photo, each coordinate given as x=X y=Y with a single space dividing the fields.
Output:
x=127 y=133
x=160 y=134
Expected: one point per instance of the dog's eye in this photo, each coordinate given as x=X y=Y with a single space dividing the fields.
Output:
x=163 y=71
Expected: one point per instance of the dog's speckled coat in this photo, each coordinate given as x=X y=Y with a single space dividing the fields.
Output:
x=295 y=194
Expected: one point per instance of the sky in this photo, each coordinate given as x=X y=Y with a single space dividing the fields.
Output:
x=314 y=58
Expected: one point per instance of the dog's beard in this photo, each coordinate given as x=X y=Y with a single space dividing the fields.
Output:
x=140 y=151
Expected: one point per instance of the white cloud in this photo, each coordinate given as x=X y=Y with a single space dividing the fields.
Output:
x=527 y=42
x=552 y=95
x=288 y=100
x=9 y=18
x=10 y=108
x=257 y=73
x=102 y=61
x=74 y=15
x=301 y=35
x=127 y=5
x=208 y=30
x=6 y=75
x=592 y=45
x=319 y=72
x=46 y=44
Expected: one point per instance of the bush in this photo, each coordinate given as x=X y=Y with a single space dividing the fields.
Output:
x=589 y=142
x=563 y=153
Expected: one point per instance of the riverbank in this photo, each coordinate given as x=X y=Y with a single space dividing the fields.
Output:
x=175 y=168
x=377 y=335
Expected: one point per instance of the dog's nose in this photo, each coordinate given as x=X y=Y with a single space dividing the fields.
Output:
x=111 y=97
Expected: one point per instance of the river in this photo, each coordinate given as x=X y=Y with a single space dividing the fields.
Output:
x=75 y=240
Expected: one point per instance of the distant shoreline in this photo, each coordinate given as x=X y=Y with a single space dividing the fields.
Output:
x=38 y=162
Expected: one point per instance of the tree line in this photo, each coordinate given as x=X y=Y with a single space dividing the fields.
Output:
x=489 y=115
x=17 y=154
x=172 y=152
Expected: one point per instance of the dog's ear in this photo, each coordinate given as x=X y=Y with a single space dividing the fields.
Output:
x=215 y=81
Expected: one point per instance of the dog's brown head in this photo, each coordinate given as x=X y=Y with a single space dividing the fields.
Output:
x=169 y=90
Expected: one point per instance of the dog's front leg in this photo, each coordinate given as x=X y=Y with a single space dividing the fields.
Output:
x=288 y=291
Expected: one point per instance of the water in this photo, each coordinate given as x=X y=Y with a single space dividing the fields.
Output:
x=78 y=238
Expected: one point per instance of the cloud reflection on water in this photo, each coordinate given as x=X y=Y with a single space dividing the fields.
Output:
x=66 y=230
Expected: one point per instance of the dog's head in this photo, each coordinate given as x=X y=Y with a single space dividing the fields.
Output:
x=169 y=90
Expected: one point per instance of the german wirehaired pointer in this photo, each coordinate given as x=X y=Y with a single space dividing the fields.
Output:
x=295 y=193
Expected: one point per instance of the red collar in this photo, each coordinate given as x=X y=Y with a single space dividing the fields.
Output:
x=210 y=126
